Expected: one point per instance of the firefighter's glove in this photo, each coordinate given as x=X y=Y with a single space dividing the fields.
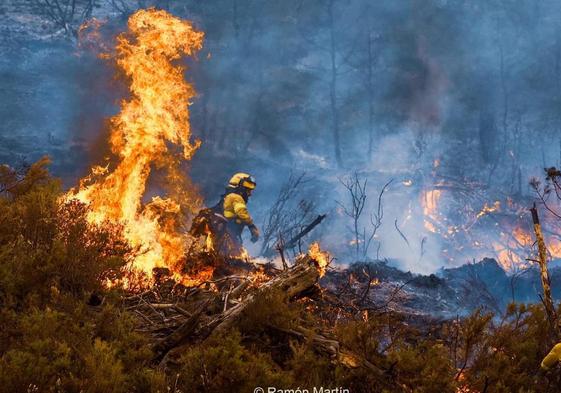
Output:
x=254 y=233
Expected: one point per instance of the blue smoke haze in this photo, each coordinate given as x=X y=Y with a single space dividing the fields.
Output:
x=463 y=96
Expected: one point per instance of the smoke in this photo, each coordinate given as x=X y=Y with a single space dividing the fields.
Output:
x=472 y=85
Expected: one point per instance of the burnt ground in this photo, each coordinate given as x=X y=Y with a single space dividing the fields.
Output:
x=447 y=294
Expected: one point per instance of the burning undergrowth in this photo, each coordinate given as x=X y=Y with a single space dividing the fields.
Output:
x=470 y=227
x=469 y=222
x=461 y=220
x=151 y=133
x=64 y=330
x=194 y=293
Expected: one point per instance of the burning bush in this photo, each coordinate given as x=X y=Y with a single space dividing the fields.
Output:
x=48 y=247
x=51 y=262
x=151 y=132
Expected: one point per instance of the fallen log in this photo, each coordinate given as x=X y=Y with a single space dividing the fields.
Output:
x=292 y=243
x=177 y=322
x=176 y=338
x=298 y=281
x=290 y=284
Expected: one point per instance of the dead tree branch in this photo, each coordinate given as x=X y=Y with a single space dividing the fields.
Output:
x=356 y=191
x=307 y=229
x=401 y=234
x=376 y=220
x=547 y=298
x=286 y=217
x=66 y=14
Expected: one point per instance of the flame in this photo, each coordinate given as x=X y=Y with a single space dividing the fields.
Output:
x=468 y=234
x=202 y=276
x=365 y=315
x=429 y=202
x=90 y=37
x=320 y=257
x=513 y=248
x=554 y=247
x=244 y=255
x=151 y=124
x=209 y=240
x=465 y=388
x=209 y=244
x=241 y=255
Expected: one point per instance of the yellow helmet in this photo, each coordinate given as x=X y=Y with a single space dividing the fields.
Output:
x=242 y=180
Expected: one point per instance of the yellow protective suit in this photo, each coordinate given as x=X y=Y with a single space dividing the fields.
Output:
x=235 y=208
x=552 y=358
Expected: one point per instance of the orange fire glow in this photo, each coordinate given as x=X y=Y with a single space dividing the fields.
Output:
x=429 y=202
x=506 y=236
x=514 y=247
x=244 y=255
x=258 y=277
x=209 y=244
x=202 y=276
x=151 y=132
x=489 y=209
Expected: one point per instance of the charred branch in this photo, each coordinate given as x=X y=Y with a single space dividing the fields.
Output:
x=307 y=229
x=547 y=298
x=182 y=318
x=66 y=14
x=287 y=216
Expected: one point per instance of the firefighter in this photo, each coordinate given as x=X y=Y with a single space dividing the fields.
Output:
x=552 y=358
x=234 y=206
x=227 y=219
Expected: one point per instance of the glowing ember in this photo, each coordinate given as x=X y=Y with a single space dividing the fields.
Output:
x=515 y=246
x=209 y=244
x=320 y=257
x=155 y=115
x=202 y=276
x=489 y=209
x=258 y=277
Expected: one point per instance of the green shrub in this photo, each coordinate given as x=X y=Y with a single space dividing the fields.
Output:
x=223 y=364
x=47 y=247
x=424 y=367
x=51 y=261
